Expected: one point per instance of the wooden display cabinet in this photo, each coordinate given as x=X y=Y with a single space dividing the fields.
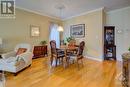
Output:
x=109 y=43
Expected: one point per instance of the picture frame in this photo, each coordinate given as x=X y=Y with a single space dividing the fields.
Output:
x=35 y=31
x=77 y=31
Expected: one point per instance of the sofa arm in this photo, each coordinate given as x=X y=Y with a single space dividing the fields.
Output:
x=9 y=54
x=27 y=56
x=20 y=62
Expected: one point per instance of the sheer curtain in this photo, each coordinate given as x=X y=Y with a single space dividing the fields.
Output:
x=55 y=34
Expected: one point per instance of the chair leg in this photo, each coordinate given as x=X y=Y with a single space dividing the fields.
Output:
x=77 y=62
x=67 y=61
x=59 y=61
x=82 y=62
x=73 y=61
x=62 y=61
x=51 y=59
x=56 y=62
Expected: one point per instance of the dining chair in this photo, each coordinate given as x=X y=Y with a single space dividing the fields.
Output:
x=79 y=56
x=56 y=53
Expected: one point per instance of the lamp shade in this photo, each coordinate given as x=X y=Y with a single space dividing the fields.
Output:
x=0 y=40
x=60 y=28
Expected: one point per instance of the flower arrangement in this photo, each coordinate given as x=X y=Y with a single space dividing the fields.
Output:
x=68 y=39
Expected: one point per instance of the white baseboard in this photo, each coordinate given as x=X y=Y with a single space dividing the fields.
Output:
x=119 y=58
x=92 y=58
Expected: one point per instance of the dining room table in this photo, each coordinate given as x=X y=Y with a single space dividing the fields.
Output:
x=66 y=50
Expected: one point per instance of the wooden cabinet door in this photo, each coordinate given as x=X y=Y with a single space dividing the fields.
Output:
x=39 y=51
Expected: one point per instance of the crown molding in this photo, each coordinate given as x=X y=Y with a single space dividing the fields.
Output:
x=28 y=10
x=118 y=9
x=83 y=13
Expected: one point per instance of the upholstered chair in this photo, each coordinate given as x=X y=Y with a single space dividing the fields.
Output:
x=56 y=53
x=17 y=60
x=79 y=55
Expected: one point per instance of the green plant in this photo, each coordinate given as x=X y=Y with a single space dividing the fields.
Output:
x=129 y=49
x=68 y=39
x=43 y=42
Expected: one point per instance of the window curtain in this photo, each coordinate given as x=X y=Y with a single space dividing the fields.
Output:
x=55 y=34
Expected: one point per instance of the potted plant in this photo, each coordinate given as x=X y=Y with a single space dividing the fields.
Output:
x=129 y=49
x=68 y=39
x=44 y=42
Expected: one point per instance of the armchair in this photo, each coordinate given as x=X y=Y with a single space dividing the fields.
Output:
x=11 y=62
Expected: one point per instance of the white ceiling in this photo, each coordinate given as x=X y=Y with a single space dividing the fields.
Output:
x=72 y=7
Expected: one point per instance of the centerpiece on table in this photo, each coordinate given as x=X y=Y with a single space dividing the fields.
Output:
x=70 y=41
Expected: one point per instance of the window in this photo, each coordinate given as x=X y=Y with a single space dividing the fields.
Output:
x=55 y=34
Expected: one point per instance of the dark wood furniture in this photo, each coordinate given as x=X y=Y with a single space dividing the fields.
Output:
x=39 y=51
x=76 y=57
x=67 y=52
x=56 y=53
x=109 y=43
x=79 y=56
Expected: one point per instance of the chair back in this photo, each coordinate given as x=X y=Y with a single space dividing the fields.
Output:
x=81 y=48
x=53 y=46
x=24 y=45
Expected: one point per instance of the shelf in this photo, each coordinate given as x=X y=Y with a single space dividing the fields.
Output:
x=109 y=43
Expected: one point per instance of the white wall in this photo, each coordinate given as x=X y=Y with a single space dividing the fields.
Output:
x=121 y=20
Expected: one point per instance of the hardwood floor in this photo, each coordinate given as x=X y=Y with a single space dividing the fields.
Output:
x=93 y=74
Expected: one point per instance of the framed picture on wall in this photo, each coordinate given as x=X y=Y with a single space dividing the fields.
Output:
x=35 y=31
x=77 y=31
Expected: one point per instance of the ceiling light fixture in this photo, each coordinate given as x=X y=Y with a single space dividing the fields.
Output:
x=60 y=7
x=60 y=28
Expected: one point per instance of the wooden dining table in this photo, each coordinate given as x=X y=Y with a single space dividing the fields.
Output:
x=66 y=49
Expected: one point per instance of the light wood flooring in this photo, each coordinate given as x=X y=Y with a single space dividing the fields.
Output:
x=93 y=74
